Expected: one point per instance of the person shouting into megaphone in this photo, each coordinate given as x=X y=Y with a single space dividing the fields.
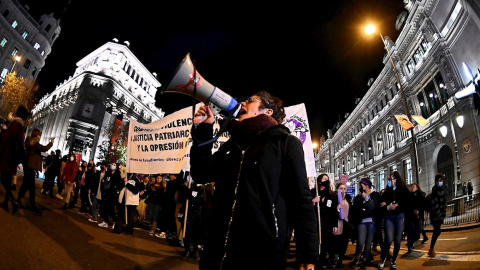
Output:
x=261 y=190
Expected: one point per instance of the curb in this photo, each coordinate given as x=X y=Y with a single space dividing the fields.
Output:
x=451 y=228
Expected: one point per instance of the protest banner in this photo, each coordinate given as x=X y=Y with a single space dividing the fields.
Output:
x=164 y=146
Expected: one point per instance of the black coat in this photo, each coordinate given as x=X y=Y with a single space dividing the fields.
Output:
x=399 y=195
x=362 y=209
x=261 y=191
x=416 y=203
x=438 y=202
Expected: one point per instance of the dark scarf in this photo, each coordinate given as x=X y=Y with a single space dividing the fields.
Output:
x=244 y=132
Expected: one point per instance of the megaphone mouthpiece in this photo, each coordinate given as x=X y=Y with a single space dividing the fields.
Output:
x=186 y=80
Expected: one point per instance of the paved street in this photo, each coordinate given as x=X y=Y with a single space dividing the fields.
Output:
x=64 y=239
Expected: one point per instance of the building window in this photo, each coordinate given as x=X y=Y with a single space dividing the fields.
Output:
x=6 y=12
x=452 y=18
x=34 y=71
x=14 y=24
x=43 y=53
x=442 y=88
x=25 y=34
x=48 y=28
x=4 y=41
x=36 y=46
x=432 y=97
x=418 y=55
x=27 y=63
x=381 y=180
x=425 y=45
x=14 y=52
x=4 y=73
x=407 y=171
x=410 y=66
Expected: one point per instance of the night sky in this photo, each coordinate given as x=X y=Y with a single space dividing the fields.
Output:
x=314 y=53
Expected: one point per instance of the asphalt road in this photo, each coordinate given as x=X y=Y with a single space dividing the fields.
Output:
x=64 y=239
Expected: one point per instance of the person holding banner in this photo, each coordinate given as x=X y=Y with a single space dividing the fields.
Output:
x=344 y=230
x=261 y=190
x=324 y=197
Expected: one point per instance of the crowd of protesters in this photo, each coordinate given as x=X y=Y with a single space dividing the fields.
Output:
x=174 y=207
x=376 y=219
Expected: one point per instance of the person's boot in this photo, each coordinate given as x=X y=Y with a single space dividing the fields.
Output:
x=70 y=205
x=4 y=205
x=381 y=265
x=36 y=211
x=65 y=206
x=425 y=239
x=15 y=206
x=431 y=252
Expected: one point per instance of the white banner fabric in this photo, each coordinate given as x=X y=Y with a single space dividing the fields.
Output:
x=164 y=146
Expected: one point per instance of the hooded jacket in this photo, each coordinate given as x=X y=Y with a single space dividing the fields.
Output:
x=34 y=152
x=261 y=193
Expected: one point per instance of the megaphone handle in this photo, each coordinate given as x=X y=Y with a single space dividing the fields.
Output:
x=201 y=118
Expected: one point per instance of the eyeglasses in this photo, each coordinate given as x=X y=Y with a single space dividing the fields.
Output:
x=252 y=99
x=341 y=188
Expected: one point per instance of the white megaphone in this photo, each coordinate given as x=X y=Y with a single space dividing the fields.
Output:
x=186 y=79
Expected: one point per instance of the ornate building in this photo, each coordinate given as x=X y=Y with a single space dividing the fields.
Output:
x=109 y=86
x=436 y=38
x=23 y=37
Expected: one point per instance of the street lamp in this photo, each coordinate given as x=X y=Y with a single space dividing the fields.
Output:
x=370 y=29
x=17 y=59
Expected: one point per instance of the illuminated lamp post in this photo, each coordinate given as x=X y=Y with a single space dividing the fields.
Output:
x=370 y=29
x=17 y=59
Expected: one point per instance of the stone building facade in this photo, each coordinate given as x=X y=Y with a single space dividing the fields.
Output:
x=23 y=36
x=436 y=38
x=110 y=85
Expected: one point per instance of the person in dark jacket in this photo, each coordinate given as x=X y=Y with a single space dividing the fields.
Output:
x=470 y=191
x=85 y=184
x=344 y=230
x=261 y=190
x=195 y=218
x=438 y=210
x=394 y=202
x=364 y=210
x=415 y=215
x=46 y=181
x=110 y=187
x=53 y=172
x=95 y=191
x=324 y=197
x=34 y=163
x=10 y=157
x=156 y=199
x=78 y=179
